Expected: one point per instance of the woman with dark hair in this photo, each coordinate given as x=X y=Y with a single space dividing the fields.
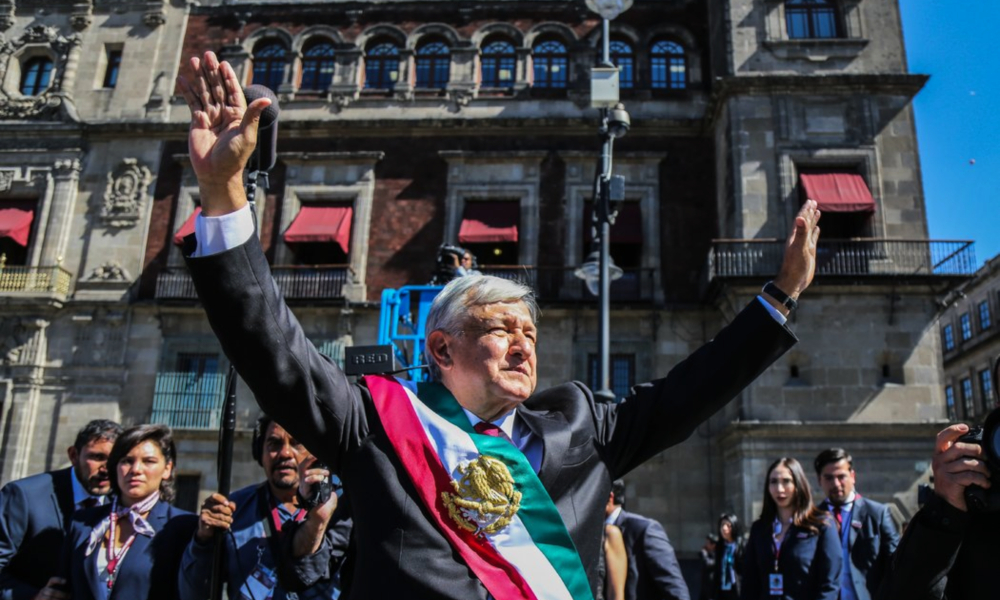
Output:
x=794 y=549
x=728 y=559
x=131 y=548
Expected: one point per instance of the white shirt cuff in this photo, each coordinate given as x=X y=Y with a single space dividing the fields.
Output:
x=780 y=318
x=225 y=232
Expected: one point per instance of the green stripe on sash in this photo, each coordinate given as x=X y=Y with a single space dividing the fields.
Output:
x=537 y=511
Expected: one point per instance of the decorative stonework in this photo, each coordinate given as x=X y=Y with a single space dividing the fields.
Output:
x=6 y=180
x=126 y=194
x=83 y=15
x=112 y=270
x=53 y=103
x=20 y=339
x=6 y=14
x=69 y=167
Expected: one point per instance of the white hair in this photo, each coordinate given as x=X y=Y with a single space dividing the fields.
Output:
x=450 y=308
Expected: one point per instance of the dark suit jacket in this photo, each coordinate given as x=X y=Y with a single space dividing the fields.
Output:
x=653 y=570
x=149 y=569
x=945 y=553
x=872 y=541
x=586 y=444
x=34 y=518
x=809 y=563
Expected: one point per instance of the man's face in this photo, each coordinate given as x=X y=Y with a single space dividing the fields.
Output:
x=837 y=481
x=494 y=358
x=91 y=464
x=281 y=457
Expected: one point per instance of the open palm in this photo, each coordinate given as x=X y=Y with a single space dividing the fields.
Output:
x=223 y=130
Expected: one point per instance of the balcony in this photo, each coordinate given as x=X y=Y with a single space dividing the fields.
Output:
x=34 y=283
x=559 y=284
x=296 y=282
x=186 y=400
x=856 y=258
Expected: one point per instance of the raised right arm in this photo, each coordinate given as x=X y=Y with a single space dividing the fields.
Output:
x=300 y=388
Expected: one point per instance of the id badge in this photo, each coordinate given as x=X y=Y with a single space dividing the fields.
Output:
x=259 y=585
x=776 y=583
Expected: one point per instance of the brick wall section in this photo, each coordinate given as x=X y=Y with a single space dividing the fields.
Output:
x=168 y=184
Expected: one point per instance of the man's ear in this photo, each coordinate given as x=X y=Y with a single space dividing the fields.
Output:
x=72 y=454
x=438 y=343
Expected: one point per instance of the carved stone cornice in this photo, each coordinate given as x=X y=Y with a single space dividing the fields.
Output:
x=126 y=194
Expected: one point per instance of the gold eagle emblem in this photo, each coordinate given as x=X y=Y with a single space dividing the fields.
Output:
x=485 y=499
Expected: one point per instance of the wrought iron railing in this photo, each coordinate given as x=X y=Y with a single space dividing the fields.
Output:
x=853 y=258
x=35 y=280
x=559 y=284
x=296 y=282
x=185 y=400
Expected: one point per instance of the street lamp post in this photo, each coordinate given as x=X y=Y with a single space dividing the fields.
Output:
x=615 y=123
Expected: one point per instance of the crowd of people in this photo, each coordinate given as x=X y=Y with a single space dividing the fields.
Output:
x=105 y=527
x=472 y=486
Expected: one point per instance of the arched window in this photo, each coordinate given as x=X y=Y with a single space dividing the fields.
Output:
x=36 y=75
x=269 y=64
x=623 y=57
x=498 y=64
x=808 y=19
x=550 y=60
x=382 y=66
x=667 y=66
x=317 y=66
x=433 y=65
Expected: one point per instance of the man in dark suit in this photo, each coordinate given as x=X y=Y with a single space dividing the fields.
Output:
x=867 y=534
x=653 y=570
x=35 y=512
x=439 y=475
x=947 y=550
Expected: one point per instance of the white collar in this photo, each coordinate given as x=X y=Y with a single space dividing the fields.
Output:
x=847 y=503
x=505 y=423
x=613 y=516
x=79 y=493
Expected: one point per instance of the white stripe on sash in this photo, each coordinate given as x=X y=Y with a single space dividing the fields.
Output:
x=455 y=447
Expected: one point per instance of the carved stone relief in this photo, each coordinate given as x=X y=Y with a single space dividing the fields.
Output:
x=6 y=180
x=19 y=339
x=52 y=103
x=111 y=271
x=126 y=194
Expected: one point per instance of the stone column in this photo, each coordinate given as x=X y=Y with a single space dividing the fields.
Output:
x=65 y=179
x=27 y=363
x=403 y=89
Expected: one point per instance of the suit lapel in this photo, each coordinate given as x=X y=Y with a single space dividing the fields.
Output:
x=857 y=516
x=62 y=495
x=136 y=562
x=552 y=430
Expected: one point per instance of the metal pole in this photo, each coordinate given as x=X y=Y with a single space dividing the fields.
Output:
x=603 y=211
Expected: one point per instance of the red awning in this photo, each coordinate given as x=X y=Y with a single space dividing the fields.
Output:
x=322 y=224
x=187 y=228
x=838 y=192
x=15 y=223
x=628 y=224
x=486 y=222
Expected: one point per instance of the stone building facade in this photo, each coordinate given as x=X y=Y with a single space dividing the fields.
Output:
x=970 y=345
x=405 y=123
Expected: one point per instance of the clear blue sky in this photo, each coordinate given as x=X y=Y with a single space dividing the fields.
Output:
x=958 y=116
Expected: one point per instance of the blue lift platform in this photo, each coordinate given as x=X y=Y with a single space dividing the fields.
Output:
x=402 y=325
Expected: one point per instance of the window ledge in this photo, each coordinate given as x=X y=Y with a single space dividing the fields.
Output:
x=817 y=49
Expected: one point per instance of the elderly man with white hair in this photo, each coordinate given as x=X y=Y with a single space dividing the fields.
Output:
x=475 y=485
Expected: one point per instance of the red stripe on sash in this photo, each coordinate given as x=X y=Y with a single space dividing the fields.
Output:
x=429 y=477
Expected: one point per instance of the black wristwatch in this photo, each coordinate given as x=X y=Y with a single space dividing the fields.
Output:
x=775 y=292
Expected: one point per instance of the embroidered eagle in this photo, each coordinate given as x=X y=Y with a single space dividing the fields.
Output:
x=485 y=499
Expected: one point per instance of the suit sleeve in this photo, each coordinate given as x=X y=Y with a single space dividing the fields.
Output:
x=824 y=572
x=888 y=541
x=750 y=586
x=919 y=568
x=661 y=564
x=666 y=411
x=195 y=572
x=305 y=392
x=13 y=519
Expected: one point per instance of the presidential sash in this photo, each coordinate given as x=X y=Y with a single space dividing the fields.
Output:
x=482 y=494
